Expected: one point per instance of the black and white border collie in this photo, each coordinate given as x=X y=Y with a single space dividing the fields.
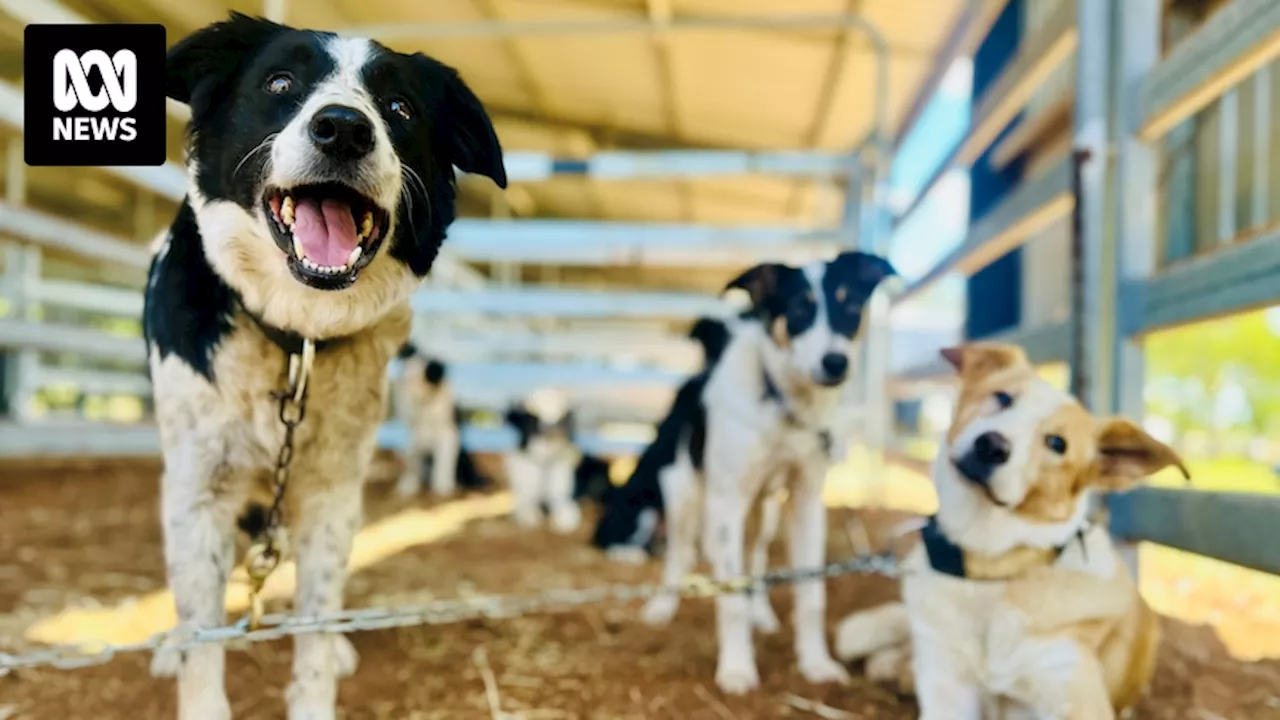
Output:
x=633 y=513
x=425 y=405
x=541 y=468
x=763 y=419
x=321 y=183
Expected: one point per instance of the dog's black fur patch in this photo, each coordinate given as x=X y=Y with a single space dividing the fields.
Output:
x=187 y=309
x=591 y=479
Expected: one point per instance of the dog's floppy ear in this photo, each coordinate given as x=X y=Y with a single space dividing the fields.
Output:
x=212 y=56
x=759 y=282
x=467 y=132
x=975 y=360
x=866 y=270
x=1127 y=454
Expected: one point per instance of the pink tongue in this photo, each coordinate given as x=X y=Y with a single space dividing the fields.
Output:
x=326 y=230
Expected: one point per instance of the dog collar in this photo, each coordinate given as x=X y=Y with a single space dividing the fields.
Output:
x=287 y=340
x=774 y=394
x=950 y=559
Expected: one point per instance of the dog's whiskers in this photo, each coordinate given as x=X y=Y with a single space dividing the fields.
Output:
x=265 y=144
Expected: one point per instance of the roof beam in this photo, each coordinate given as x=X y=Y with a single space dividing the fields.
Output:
x=573 y=242
x=631 y=164
x=566 y=303
x=635 y=24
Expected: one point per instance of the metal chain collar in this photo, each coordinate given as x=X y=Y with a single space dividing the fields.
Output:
x=263 y=555
x=274 y=627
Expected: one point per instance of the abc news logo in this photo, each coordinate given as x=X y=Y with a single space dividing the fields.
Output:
x=94 y=95
x=71 y=90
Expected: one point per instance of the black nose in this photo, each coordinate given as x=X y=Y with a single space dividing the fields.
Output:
x=342 y=132
x=835 y=365
x=991 y=448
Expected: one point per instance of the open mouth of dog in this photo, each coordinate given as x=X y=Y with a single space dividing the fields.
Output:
x=328 y=231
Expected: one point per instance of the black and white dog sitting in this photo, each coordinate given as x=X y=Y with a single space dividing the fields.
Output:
x=433 y=428
x=633 y=513
x=321 y=185
x=541 y=468
x=762 y=419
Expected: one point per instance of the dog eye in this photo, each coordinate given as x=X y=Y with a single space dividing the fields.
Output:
x=1055 y=443
x=1004 y=400
x=280 y=83
x=401 y=107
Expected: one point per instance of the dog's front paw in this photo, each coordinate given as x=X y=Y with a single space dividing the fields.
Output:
x=408 y=484
x=627 y=554
x=345 y=657
x=659 y=610
x=824 y=669
x=566 y=518
x=166 y=662
x=763 y=618
x=737 y=678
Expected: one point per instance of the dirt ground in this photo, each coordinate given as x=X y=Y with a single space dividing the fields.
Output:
x=89 y=535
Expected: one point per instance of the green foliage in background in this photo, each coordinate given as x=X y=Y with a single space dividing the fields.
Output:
x=1202 y=361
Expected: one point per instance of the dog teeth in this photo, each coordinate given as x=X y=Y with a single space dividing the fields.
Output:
x=366 y=225
x=298 y=252
x=286 y=211
x=354 y=256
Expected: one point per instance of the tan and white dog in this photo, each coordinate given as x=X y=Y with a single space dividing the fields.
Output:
x=1015 y=604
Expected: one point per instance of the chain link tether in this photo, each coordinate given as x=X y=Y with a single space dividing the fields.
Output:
x=263 y=555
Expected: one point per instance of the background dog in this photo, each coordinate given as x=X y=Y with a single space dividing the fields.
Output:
x=1015 y=603
x=321 y=184
x=633 y=513
x=425 y=406
x=764 y=420
x=542 y=466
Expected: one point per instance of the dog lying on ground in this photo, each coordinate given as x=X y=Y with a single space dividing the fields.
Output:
x=632 y=514
x=433 y=423
x=763 y=420
x=541 y=467
x=321 y=185
x=1015 y=603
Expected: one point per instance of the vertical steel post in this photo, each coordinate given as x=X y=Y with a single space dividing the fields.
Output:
x=1093 y=72
x=1134 y=251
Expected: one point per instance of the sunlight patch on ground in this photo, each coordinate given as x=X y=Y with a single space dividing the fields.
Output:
x=139 y=618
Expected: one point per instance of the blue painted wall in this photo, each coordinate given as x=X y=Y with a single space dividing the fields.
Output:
x=995 y=292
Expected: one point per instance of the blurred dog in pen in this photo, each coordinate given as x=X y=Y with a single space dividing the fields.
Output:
x=425 y=405
x=1015 y=604
x=631 y=520
x=541 y=468
x=321 y=185
x=763 y=419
